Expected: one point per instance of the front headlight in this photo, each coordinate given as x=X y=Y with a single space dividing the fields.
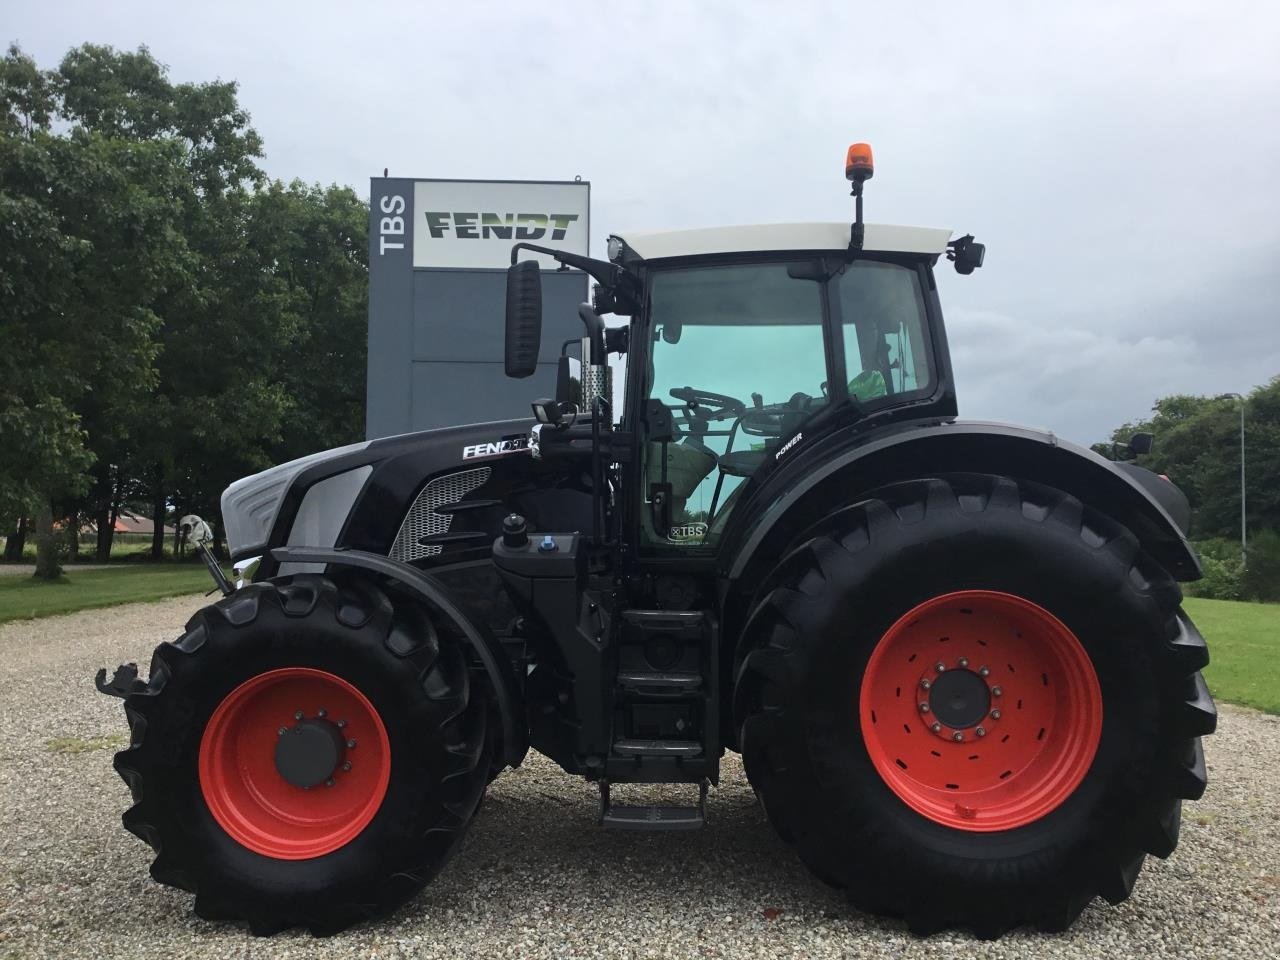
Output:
x=250 y=505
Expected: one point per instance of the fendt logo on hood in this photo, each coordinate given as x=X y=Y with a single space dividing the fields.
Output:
x=498 y=226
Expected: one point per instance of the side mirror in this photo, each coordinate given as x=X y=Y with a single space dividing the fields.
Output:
x=1141 y=443
x=966 y=254
x=524 y=318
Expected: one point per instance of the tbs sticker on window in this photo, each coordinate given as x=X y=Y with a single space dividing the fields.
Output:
x=688 y=533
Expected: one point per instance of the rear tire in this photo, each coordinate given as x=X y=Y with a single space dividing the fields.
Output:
x=850 y=773
x=332 y=854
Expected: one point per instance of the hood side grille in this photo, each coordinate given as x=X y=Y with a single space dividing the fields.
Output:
x=422 y=520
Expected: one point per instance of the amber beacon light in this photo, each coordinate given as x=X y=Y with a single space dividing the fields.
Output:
x=857 y=163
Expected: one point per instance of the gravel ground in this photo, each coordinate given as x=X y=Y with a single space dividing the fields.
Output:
x=536 y=877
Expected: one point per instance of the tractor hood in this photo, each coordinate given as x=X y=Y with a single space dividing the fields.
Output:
x=363 y=496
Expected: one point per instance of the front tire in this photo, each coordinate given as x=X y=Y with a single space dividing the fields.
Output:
x=1057 y=638
x=308 y=753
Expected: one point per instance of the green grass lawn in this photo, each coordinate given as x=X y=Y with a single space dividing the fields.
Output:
x=1244 y=650
x=23 y=597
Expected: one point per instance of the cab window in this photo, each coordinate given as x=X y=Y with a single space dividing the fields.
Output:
x=885 y=347
x=738 y=357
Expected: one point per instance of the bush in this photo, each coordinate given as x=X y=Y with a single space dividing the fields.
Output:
x=1261 y=579
x=1222 y=579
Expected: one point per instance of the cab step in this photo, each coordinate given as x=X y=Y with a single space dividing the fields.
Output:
x=664 y=685
x=657 y=748
x=652 y=817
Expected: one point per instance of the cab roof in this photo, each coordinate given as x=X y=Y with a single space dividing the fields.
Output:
x=767 y=237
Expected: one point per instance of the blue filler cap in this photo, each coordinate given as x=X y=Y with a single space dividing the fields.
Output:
x=548 y=544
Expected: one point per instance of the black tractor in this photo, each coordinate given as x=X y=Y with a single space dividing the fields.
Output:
x=950 y=653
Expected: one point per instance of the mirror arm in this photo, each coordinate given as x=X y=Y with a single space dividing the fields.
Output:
x=600 y=270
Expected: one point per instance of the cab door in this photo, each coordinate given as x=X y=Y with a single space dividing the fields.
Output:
x=736 y=358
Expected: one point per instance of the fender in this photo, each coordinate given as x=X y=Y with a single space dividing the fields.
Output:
x=932 y=449
x=515 y=737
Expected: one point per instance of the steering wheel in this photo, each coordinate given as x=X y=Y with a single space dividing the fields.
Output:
x=721 y=406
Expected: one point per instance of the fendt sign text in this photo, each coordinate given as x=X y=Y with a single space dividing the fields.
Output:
x=472 y=224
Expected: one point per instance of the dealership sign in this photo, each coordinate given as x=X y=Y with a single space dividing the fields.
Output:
x=473 y=224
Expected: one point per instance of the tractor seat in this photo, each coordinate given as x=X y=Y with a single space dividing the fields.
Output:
x=742 y=463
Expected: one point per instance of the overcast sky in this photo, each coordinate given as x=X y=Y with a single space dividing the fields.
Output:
x=1122 y=162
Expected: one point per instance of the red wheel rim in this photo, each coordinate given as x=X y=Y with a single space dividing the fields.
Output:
x=248 y=795
x=998 y=737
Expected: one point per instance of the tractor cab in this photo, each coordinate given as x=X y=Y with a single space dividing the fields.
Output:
x=745 y=347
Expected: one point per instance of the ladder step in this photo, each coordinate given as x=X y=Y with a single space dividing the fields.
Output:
x=653 y=818
x=661 y=684
x=664 y=619
x=657 y=748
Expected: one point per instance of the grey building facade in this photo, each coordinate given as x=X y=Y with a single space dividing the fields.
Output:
x=438 y=251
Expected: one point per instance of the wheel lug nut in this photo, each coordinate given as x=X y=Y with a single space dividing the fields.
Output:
x=981 y=731
x=940 y=666
x=935 y=727
x=996 y=691
x=351 y=744
x=924 y=684
x=995 y=714
x=983 y=671
x=298 y=715
x=924 y=708
x=341 y=724
x=329 y=782
x=282 y=731
x=347 y=765
x=322 y=713
x=964 y=662
x=957 y=736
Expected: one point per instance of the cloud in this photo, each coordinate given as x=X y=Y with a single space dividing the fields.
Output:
x=1119 y=161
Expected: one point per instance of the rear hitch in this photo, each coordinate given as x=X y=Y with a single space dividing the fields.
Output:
x=122 y=684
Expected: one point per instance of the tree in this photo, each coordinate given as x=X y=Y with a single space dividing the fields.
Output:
x=183 y=430
x=171 y=320
x=1198 y=446
x=108 y=212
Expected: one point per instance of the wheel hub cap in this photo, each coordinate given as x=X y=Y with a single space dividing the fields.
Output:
x=959 y=699
x=310 y=753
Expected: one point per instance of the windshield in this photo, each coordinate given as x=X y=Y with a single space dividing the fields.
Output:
x=739 y=356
